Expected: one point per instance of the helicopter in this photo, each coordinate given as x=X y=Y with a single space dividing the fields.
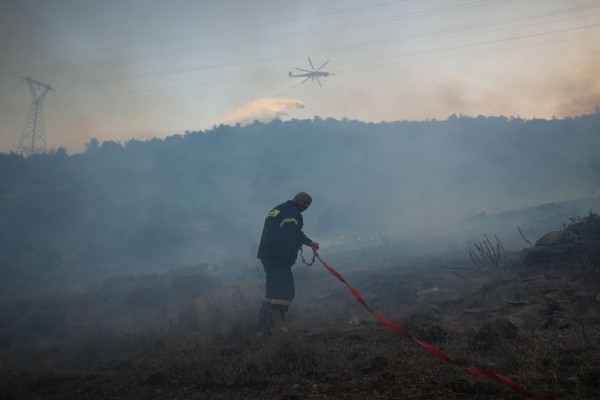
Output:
x=312 y=75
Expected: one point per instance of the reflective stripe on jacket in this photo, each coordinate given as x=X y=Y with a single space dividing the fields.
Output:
x=282 y=233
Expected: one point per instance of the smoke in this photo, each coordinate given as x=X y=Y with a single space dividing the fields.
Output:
x=263 y=110
x=580 y=89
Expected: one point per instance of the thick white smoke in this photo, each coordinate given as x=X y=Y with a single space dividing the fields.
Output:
x=263 y=110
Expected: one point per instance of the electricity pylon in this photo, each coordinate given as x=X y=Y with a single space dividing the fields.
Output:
x=33 y=138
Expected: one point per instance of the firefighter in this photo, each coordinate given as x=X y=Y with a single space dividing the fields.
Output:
x=281 y=239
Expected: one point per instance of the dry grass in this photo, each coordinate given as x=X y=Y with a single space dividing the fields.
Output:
x=206 y=347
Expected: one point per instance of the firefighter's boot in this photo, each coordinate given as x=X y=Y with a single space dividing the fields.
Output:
x=265 y=318
x=277 y=325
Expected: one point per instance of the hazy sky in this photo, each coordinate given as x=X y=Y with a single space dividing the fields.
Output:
x=139 y=69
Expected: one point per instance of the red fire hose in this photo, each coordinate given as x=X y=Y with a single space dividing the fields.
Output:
x=435 y=351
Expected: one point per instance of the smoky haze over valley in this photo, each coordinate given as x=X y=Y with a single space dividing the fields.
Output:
x=429 y=187
x=451 y=148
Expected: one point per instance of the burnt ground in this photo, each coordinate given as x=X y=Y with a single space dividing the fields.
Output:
x=537 y=324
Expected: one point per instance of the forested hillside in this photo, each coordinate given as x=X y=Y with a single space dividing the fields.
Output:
x=121 y=208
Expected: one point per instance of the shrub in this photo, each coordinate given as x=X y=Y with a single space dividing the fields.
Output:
x=489 y=258
x=585 y=229
x=584 y=236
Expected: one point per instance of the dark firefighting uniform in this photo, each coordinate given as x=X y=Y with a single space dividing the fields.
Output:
x=281 y=239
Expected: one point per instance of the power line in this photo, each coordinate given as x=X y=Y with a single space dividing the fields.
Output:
x=363 y=64
x=439 y=34
x=424 y=36
x=218 y=32
x=464 y=30
x=280 y=36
